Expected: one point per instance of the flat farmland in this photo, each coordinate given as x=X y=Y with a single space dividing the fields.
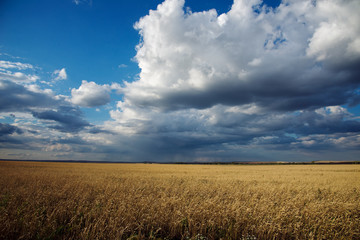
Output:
x=41 y=200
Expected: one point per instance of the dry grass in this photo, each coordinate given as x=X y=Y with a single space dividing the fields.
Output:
x=151 y=201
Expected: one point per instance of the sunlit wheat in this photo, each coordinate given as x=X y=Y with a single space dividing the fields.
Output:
x=153 y=201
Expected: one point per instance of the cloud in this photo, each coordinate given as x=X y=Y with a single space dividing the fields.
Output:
x=9 y=56
x=78 y=2
x=267 y=57
x=10 y=136
x=18 y=77
x=90 y=94
x=42 y=125
x=18 y=98
x=60 y=74
x=15 y=65
x=14 y=71
x=66 y=119
x=243 y=83
x=42 y=104
x=337 y=36
x=8 y=129
x=122 y=66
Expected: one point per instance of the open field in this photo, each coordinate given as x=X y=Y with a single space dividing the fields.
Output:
x=153 y=201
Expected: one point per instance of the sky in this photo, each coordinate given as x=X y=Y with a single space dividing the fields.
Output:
x=180 y=81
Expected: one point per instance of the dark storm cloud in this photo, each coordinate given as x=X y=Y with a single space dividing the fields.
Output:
x=72 y=140
x=302 y=123
x=272 y=95
x=67 y=119
x=17 y=98
x=7 y=138
x=8 y=129
x=229 y=132
x=96 y=130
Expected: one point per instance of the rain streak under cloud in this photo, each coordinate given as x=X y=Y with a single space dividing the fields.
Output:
x=254 y=83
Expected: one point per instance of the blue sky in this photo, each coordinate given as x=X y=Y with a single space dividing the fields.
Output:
x=177 y=80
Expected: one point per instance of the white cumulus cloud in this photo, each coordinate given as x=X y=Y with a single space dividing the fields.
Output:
x=90 y=94
x=273 y=58
x=216 y=85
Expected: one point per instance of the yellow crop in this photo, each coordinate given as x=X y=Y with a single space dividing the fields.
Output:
x=155 y=201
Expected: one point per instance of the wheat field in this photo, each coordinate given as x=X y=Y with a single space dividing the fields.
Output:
x=163 y=201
